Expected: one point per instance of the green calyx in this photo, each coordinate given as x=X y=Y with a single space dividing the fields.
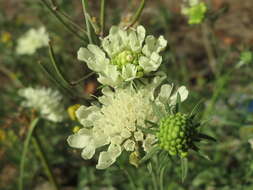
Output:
x=177 y=133
x=197 y=13
x=126 y=57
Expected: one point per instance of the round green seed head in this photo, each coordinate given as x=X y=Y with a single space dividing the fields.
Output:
x=176 y=134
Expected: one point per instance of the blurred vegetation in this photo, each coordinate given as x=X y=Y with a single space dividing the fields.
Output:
x=202 y=57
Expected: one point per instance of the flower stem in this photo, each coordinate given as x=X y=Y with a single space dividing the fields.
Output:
x=24 y=152
x=137 y=14
x=81 y=79
x=63 y=22
x=102 y=17
x=57 y=70
x=88 y=26
x=41 y=154
x=209 y=47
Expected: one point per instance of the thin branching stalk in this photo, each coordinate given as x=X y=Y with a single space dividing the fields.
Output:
x=82 y=79
x=87 y=22
x=67 y=17
x=24 y=152
x=137 y=14
x=42 y=156
x=56 y=8
x=54 y=63
x=161 y=177
x=54 y=80
x=70 y=29
x=102 y=17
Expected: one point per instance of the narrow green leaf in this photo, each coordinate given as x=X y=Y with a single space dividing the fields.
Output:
x=152 y=123
x=195 y=108
x=147 y=130
x=178 y=103
x=204 y=136
x=203 y=155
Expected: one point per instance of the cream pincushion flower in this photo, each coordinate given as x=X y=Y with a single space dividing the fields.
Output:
x=124 y=55
x=47 y=102
x=32 y=40
x=120 y=121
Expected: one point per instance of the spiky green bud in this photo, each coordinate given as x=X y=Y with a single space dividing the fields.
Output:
x=176 y=134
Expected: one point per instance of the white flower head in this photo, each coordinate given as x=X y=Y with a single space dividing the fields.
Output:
x=124 y=55
x=32 y=40
x=120 y=122
x=46 y=101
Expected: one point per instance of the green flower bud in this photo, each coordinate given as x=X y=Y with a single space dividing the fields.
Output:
x=176 y=134
x=126 y=57
x=196 y=13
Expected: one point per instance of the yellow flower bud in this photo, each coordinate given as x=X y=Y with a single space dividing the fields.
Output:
x=72 y=111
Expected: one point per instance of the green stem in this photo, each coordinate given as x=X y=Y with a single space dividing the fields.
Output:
x=128 y=176
x=63 y=14
x=58 y=72
x=24 y=152
x=44 y=161
x=88 y=26
x=208 y=47
x=137 y=14
x=54 y=80
x=66 y=16
x=102 y=17
x=153 y=176
x=62 y=21
x=81 y=79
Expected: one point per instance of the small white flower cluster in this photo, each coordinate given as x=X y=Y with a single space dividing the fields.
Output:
x=124 y=113
x=48 y=102
x=32 y=40
x=124 y=56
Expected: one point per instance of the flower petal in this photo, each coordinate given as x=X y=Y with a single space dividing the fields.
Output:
x=87 y=115
x=129 y=72
x=129 y=145
x=88 y=151
x=105 y=160
x=183 y=92
x=81 y=139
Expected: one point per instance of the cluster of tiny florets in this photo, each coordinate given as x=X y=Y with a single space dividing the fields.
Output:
x=176 y=134
x=126 y=57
